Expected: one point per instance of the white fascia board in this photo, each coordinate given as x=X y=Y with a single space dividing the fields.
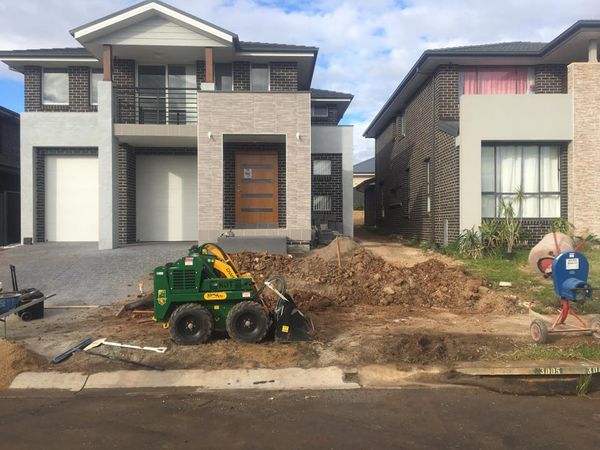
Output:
x=159 y=8
x=290 y=55
x=331 y=100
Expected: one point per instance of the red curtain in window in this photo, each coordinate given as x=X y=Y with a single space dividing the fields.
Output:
x=494 y=81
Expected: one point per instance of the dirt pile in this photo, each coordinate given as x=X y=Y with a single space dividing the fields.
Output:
x=317 y=282
x=15 y=359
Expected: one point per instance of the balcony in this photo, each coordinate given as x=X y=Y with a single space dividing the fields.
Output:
x=156 y=106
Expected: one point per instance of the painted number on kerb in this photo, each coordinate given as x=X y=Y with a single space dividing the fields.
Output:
x=572 y=263
x=592 y=370
x=548 y=371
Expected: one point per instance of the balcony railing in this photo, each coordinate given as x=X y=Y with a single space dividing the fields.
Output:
x=174 y=106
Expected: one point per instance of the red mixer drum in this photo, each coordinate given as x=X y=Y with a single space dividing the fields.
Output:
x=551 y=245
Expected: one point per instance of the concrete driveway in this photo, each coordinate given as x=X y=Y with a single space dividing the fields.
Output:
x=79 y=273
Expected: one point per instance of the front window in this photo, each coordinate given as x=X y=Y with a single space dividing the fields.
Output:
x=322 y=167
x=320 y=111
x=322 y=203
x=223 y=77
x=428 y=181
x=95 y=77
x=259 y=77
x=497 y=80
x=55 y=87
x=532 y=170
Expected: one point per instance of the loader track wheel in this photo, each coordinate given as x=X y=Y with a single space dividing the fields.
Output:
x=190 y=324
x=247 y=322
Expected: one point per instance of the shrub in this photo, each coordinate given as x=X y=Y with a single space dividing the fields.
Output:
x=469 y=244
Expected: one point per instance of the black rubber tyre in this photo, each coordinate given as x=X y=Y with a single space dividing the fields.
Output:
x=247 y=322
x=26 y=316
x=190 y=324
x=595 y=326
x=539 y=331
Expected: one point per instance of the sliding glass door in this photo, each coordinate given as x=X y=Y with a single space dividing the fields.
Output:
x=162 y=94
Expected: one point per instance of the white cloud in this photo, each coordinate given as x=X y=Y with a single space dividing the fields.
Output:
x=368 y=46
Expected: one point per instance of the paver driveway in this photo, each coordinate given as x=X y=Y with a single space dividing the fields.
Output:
x=80 y=273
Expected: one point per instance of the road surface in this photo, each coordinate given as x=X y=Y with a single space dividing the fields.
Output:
x=363 y=419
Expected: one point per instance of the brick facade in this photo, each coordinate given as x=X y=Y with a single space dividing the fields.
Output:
x=123 y=79
x=331 y=119
x=127 y=195
x=39 y=162
x=79 y=90
x=446 y=92
x=330 y=185
x=241 y=76
x=229 y=180
x=284 y=76
x=551 y=79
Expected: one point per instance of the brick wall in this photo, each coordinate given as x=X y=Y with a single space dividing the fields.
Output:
x=200 y=74
x=229 y=179
x=446 y=92
x=551 y=79
x=127 y=195
x=79 y=90
x=241 y=76
x=284 y=76
x=123 y=84
x=39 y=162
x=330 y=185
x=331 y=119
x=401 y=169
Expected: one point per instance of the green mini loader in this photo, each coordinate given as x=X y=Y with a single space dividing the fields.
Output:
x=205 y=292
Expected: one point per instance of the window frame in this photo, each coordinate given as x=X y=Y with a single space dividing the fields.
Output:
x=313 y=109
x=428 y=185
x=477 y=69
x=268 y=65
x=215 y=72
x=539 y=194
x=54 y=70
x=92 y=72
x=328 y=203
x=322 y=174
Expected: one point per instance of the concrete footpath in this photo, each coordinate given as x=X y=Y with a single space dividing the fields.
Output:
x=325 y=378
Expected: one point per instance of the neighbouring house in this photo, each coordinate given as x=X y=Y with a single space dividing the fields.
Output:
x=468 y=127
x=10 y=207
x=164 y=127
x=362 y=171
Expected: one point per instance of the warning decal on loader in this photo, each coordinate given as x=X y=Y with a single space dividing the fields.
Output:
x=215 y=296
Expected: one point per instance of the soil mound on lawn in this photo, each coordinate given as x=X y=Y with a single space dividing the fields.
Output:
x=317 y=282
x=15 y=359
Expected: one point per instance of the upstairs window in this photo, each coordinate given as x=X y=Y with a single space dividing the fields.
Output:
x=319 y=111
x=223 y=77
x=497 y=80
x=55 y=87
x=259 y=77
x=96 y=76
x=400 y=127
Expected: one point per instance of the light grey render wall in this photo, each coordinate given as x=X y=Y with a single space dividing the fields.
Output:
x=338 y=139
x=540 y=117
x=248 y=113
x=66 y=129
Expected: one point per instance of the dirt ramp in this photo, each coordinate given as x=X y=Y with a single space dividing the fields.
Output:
x=15 y=359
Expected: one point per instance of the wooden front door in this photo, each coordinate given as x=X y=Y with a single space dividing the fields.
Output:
x=256 y=180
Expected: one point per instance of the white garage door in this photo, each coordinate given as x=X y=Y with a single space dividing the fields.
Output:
x=71 y=198
x=167 y=199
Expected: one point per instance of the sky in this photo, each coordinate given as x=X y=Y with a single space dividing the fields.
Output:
x=366 y=46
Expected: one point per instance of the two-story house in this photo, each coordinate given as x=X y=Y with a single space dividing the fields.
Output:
x=470 y=127
x=9 y=177
x=164 y=127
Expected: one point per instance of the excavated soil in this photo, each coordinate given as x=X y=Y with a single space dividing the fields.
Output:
x=357 y=277
x=15 y=359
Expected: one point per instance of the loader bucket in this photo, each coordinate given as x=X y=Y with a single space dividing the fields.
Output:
x=290 y=324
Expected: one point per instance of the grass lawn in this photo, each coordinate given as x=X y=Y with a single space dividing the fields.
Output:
x=525 y=282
